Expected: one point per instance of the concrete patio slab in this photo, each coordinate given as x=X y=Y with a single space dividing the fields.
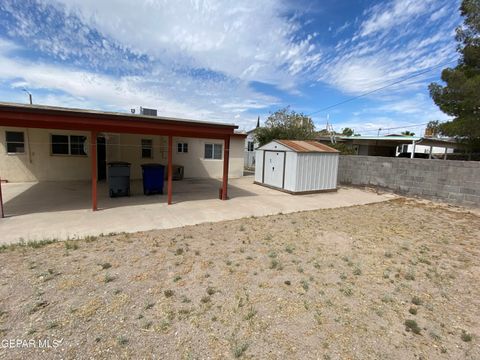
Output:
x=61 y=210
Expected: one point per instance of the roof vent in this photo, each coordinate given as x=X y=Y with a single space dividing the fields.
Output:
x=149 y=112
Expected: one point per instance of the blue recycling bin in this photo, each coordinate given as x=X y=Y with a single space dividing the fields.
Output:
x=153 y=178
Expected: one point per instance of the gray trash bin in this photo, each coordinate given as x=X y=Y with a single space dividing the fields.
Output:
x=118 y=178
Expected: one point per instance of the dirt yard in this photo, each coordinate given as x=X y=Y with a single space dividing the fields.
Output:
x=393 y=280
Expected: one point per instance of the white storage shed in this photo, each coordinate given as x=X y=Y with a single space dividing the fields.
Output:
x=297 y=167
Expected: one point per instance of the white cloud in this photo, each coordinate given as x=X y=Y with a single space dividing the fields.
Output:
x=342 y=28
x=410 y=113
x=383 y=17
x=186 y=58
x=395 y=41
x=79 y=88
x=436 y=15
x=247 y=40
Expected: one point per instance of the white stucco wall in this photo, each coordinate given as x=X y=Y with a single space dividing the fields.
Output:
x=42 y=166
x=37 y=164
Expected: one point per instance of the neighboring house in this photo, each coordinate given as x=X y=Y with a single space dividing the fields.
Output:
x=251 y=145
x=43 y=143
x=396 y=145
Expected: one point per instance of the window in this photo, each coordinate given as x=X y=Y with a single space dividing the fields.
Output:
x=15 y=142
x=182 y=147
x=213 y=151
x=250 y=146
x=68 y=145
x=77 y=145
x=146 y=148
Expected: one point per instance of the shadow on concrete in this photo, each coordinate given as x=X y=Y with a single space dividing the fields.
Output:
x=52 y=196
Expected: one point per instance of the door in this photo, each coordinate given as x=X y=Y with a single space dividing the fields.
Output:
x=101 y=159
x=273 y=168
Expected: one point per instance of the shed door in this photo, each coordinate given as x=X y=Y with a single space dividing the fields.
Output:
x=273 y=168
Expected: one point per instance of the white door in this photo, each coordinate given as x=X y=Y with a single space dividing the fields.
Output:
x=273 y=168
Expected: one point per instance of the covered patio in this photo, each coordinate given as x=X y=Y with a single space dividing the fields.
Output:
x=59 y=196
x=31 y=214
x=95 y=123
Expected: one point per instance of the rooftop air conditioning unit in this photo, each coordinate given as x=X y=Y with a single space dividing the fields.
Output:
x=149 y=112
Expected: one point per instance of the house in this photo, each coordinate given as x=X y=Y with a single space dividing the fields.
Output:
x=45 y=143
x=250 y=145
x=396 y=145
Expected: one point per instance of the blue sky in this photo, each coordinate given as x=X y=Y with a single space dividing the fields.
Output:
x=230 y=60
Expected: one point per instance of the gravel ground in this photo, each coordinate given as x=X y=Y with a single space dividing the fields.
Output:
x=393 y=280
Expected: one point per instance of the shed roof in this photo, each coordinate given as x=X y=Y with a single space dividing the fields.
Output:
x=307 y=146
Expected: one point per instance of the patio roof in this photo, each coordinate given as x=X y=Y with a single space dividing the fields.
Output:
x=51 y=117
x=395 y=140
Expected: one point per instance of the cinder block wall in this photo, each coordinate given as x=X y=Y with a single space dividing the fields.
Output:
x=450 y=181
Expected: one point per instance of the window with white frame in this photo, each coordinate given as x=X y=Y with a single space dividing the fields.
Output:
x=147 y=145
x=250 y=146
x=213 y=151
x=68 y=144
x=182 y=147
x=15 y=142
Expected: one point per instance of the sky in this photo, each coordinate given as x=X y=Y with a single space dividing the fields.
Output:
x=232 y=61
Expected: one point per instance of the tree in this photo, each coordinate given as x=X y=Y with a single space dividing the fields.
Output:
x=408 y=133
x=347 y=131
x=433 y=128
x=323 y=132
x=343 y=148
x=460 y=97
x=286 y=124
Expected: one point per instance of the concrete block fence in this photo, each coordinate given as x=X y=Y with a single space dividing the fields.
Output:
x=451 y=181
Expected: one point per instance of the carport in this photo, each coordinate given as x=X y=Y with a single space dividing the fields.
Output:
x=96 y=122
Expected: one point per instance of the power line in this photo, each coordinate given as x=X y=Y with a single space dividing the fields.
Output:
x=381 y=88
x=394 y=128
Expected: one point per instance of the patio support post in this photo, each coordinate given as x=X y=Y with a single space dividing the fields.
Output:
x=1 y=200
x=430 y=153
x=226 y=157
x=445 y=155
x=169 y=170
x=412 y=155
x=93 y=154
